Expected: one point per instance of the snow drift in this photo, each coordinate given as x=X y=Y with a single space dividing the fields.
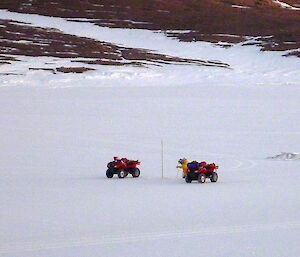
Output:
x=286 y=156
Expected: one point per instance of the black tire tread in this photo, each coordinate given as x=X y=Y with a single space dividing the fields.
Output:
x=134 y=172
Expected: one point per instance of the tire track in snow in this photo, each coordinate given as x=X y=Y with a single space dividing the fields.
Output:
x=242 y=164
x=167 y=235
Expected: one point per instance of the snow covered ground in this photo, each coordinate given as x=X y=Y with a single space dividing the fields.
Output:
x=56 y=139
x=56 y=201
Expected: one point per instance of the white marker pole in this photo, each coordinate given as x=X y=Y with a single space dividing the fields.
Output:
x=162 y=159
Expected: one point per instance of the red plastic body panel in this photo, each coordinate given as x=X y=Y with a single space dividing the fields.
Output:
x=124 y=163
x=206 y=168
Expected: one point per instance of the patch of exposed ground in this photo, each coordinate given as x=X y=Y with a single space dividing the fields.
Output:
x=7 y=59
x=205 y=20
x=73 y=69
x=23 y=40
x=65 y=69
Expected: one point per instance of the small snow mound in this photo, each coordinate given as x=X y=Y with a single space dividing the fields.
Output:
x=286 y=156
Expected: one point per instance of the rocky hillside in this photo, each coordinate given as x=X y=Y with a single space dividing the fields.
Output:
x=17 y=38
x=275 y=24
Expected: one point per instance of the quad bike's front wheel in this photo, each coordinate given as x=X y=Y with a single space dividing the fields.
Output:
x=188 y=179
x=136 y=172
x=201 y=178
x=109 y=173
x=122 y=173
x=214 y=177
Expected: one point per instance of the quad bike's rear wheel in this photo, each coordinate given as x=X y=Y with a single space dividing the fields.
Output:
x=214 y=177
x=110 y=172
x=136 y=172
x=201 y=178
x=122 y=173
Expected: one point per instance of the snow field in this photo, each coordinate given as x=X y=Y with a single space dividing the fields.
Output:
x=56 y=201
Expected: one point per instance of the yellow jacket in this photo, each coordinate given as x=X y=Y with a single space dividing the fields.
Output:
x=183 y=166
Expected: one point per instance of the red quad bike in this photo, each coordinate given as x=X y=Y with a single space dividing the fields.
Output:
x=201 y=171
x=123 y=167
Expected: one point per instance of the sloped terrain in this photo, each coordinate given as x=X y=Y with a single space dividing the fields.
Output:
x=200 y=62
x=205 y=20
x=17 y=38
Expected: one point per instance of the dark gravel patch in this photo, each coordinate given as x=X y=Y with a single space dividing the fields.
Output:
x=73 y=69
